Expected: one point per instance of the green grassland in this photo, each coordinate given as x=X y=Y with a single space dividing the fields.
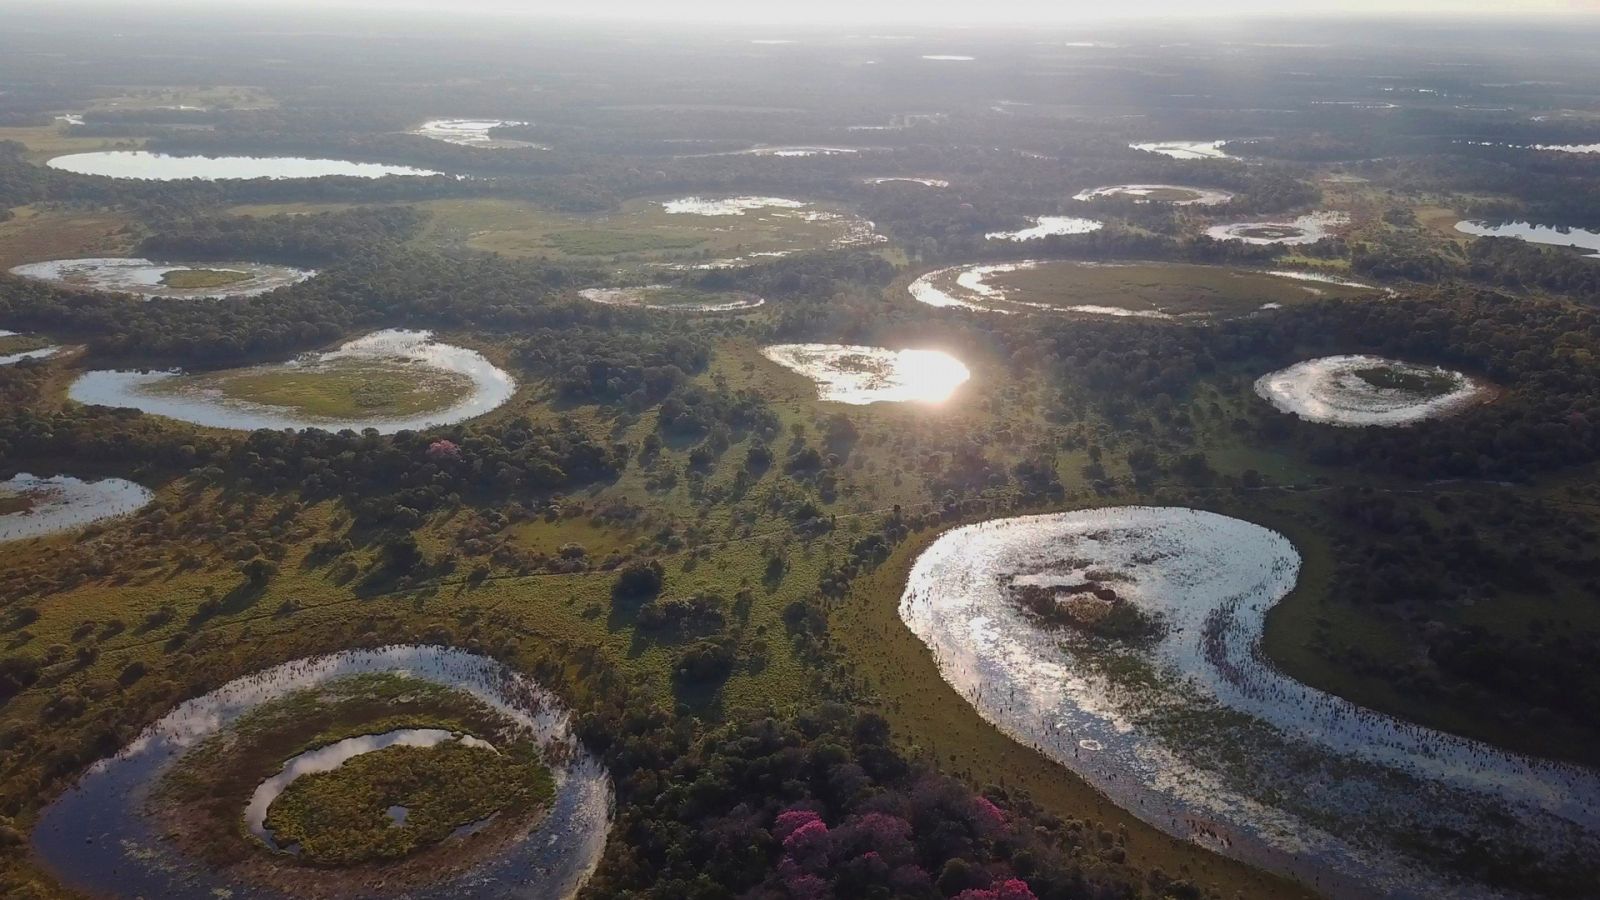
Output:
x=638 y=231
x=340 y=817
x=35 y=233
x=335 y=389
x=21 y=343
x=44 y=142
x=1173 y=288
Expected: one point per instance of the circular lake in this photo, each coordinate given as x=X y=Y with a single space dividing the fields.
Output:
x=144 y=165
x=390 y=381
x=102 y=838
x=1124 y=643
x=177 y=281
x=1368 y=390
x=1176 y=195
x=1307 y=229
x=860 y=375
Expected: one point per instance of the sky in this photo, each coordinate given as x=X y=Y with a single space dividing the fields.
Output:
x=909 y=12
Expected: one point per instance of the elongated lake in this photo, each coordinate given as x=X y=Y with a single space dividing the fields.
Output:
x=1553 y=235
x=148 y=166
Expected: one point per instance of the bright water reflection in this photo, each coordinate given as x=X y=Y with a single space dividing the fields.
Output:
x=861 y=375
x=144 y=165
x=1198 y=733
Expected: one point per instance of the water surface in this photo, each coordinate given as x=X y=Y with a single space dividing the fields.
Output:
x=148 y=166
x=1195 y=731
x=472 y=133
x=63 y=503
x=1330 y=390
x=861 y=375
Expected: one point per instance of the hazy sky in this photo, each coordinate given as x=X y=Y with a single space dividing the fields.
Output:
x=908 y=13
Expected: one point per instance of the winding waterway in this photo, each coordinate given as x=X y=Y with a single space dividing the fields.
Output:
x=1197 y=732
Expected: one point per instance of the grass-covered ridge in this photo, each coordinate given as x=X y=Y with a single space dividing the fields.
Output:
x=341 y=388
x=343 y=817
